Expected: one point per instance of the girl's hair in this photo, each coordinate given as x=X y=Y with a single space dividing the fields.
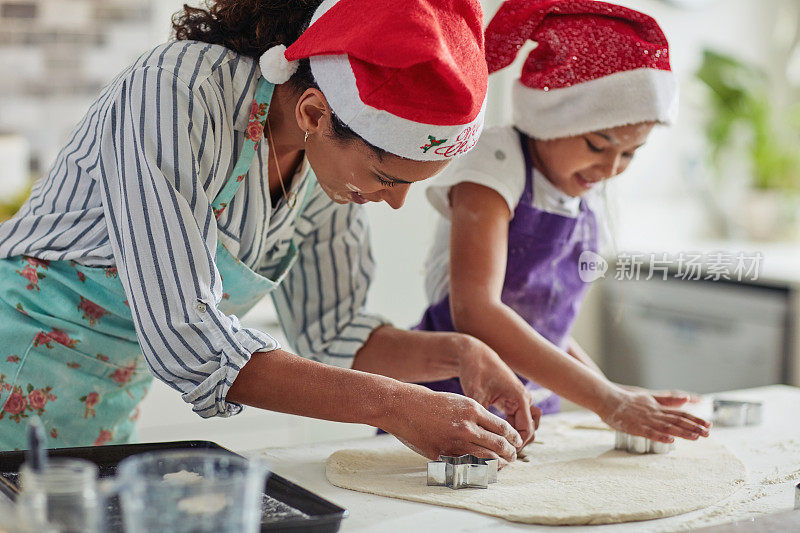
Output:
x=250 y=27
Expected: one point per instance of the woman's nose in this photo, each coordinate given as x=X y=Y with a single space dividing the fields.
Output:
x=396 y=195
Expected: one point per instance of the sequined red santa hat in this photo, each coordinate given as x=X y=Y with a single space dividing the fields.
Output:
x=408 y=76
x=596 y=66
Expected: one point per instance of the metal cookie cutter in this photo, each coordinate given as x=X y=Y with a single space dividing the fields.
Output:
x=466 y=471
x=634 y=444
x=732 y=413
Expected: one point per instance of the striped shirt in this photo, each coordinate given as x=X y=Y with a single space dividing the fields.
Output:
x=133 y=188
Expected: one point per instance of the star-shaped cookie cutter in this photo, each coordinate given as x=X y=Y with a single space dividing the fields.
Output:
x=466 y=471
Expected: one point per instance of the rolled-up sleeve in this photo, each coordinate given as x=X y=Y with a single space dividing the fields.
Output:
x=321 y=302
x=158 y=149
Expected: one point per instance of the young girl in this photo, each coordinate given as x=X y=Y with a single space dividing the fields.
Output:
x=505 y=263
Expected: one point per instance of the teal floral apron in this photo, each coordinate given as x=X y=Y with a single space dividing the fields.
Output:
x=68 y=347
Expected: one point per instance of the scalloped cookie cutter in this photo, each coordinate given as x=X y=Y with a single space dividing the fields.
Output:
x=735 y=413
x=634 y=444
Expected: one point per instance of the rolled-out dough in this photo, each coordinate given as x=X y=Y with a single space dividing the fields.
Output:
x=576 y=477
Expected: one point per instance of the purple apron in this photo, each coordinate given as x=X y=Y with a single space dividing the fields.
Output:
x=542 y=280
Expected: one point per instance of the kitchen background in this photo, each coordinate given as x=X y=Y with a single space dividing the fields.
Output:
x=718 y=192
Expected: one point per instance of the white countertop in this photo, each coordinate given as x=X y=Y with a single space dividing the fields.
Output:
x=770 y=451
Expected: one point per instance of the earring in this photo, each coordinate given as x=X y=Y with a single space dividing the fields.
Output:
x=306 y=137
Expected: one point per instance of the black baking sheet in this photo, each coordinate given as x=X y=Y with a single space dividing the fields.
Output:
x=287 y=507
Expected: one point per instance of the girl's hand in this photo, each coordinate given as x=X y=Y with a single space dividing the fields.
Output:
x=440 y=423
x=642 y=414
x=490 y=382
x=670 y=398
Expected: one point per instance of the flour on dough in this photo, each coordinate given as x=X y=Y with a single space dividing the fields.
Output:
x=574 y=478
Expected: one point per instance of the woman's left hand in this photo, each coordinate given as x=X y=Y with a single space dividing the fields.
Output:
x=670 y=398
x=488 y=380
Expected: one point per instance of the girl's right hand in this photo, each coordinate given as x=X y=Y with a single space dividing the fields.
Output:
x=440 y=423
x=639 y=413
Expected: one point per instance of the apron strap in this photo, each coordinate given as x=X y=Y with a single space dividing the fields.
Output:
x=258 y=115
x=255 y=132
x=253 y=136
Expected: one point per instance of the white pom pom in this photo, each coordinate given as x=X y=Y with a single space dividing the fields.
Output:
x=275 y=67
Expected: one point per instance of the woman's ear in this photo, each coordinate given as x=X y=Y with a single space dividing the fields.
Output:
x=311 y=111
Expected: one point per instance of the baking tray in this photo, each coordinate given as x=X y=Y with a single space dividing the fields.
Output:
x=296 y=510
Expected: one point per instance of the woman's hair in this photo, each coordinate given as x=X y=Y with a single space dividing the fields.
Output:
x=250 y=27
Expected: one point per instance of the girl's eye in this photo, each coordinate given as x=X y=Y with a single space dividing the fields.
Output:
x=385 y=183
x=592 y=147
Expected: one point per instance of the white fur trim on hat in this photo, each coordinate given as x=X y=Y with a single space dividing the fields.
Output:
x=619 y=99
x=275 y=67
x=322 y=8
x=396 y=135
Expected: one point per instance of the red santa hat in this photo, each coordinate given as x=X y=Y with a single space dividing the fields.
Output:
x=408 y=76
x=596 y=66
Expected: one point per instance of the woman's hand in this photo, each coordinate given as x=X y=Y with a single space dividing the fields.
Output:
x=431 y=423
x=645 y=415
x=489 y=381
x=440 y=423
x=420 y=356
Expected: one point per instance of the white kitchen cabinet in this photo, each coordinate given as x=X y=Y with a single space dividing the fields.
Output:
x=701 y=336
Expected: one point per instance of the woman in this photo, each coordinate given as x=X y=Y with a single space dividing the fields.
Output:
x=165 y=218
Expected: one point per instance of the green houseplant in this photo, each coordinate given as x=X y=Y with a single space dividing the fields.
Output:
x=742 y=95
x=755 y=115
